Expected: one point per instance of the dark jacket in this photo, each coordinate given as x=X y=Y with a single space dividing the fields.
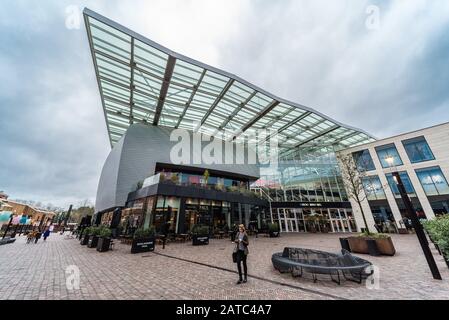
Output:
x=245 y=242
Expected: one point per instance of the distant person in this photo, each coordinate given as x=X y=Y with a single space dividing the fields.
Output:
x=37 y=236
x=242 y=242
x=46 y=234
x=30 y=236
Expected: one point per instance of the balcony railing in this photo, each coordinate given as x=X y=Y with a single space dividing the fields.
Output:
x=173 y=179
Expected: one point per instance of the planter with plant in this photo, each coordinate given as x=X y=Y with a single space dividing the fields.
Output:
x=200 y=235
x=359 y=244
x=143 y=241
x=85 y=236
x=104 y=239
x=93 y=237
x=438 y=231
x=273 y=229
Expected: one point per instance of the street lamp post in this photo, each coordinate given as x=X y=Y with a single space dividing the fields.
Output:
x=411 y=213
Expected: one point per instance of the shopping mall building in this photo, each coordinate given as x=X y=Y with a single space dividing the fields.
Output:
x=251 y=157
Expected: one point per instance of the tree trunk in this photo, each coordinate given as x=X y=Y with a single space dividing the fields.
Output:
x=363 y=216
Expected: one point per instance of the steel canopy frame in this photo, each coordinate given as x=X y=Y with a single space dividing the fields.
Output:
x=197 y=91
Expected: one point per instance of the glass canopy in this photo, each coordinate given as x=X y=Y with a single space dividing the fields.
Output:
x=141 y=81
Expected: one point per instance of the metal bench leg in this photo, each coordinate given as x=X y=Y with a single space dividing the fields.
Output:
x=337 y=281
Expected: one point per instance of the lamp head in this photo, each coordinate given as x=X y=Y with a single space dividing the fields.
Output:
x=390 y=160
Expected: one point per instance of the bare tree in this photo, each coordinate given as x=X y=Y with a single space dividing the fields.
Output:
x=352 y=179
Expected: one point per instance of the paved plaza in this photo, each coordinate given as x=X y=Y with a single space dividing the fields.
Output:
x=181 y=271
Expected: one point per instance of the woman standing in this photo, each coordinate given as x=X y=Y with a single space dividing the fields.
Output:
x=242 y=242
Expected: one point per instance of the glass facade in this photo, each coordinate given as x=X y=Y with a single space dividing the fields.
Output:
x=433 y=181
x=310 y=175
x=405 y=181
x=363 y=160
x=388 y=156
x=373 y=188
x=418 y=150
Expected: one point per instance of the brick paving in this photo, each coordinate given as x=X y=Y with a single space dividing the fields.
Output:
x=181 y=271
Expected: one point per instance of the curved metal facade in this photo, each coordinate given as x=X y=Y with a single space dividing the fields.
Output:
x=135 y=156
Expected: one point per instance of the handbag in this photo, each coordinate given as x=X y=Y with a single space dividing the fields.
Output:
x=234 y=255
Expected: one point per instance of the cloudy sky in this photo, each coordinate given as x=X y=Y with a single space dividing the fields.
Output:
x=386 y=75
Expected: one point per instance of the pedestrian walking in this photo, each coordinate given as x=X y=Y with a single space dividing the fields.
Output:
x=30 y=236
x=241 y=252
x=37 y=236
x=46 y=234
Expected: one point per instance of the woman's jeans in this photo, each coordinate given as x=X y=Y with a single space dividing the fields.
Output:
x=241 y=257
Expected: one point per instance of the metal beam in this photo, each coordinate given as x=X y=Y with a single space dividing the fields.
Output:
x=329 y=130
x=248 y=125
x=192 y=95
x=163 y=93
x=215 y=103
x=288 y=125
x=236 y=110
x=131 y=86
x=94 y=60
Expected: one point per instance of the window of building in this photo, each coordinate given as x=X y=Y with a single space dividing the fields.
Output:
x=418 y=150
x=363 y=160
x=433 y=181
x=440 y=207
x=405 y=181
x=373 y=188
x=388 y=156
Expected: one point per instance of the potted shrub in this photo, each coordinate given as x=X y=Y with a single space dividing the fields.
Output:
x=200 y=235
x=438 y=231
x=104 y=239
x=359 y=244
x=93 y=237
x=85 y=236
x=273 y=230
x=143 y=241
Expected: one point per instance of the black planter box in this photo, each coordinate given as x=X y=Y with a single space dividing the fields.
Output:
x=274 y=234
x=142 y=245
x=373 y=250
x=84 y=239
x=198 y=240
x=103 y=244
x=93 y=241
x=345 y=244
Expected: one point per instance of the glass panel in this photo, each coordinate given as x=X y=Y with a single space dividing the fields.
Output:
x=433 y=181
x=405 y=181
x=363 y=160
x=373 y=188
x=418 y=150
x=388 y=156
